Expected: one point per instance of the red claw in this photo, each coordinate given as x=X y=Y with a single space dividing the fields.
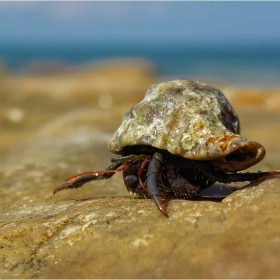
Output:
x=144 y=163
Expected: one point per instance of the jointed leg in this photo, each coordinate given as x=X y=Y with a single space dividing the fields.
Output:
x=152 y=180
x=118 y=164
x=143 y=165
x=82 y=178
x=224 y=177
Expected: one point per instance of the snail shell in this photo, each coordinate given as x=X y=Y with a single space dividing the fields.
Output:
x=191 y=120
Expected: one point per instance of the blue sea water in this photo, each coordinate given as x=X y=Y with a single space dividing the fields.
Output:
x=258 y=65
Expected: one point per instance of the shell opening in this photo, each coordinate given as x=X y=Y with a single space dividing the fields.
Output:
x=243 y=156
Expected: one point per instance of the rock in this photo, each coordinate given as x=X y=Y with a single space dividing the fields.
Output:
x=98 y=231
x=121 y=237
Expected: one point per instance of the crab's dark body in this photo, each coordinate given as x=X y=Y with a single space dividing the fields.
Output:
x=178 y=177
x=180 y=139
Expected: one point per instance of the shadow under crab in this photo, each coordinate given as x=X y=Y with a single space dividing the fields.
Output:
x=180 y=139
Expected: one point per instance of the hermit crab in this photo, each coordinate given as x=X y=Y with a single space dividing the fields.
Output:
x=180 y=139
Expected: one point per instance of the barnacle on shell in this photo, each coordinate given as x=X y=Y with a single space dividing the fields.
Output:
x=191 y=120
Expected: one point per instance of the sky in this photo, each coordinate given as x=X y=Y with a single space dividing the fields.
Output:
x=143 y=23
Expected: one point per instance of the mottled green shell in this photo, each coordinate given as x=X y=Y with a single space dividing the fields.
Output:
x=189 y=119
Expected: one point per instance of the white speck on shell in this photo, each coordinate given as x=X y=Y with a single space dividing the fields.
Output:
x=191 y=120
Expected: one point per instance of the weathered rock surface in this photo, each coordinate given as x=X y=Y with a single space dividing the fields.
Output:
x=98 y=231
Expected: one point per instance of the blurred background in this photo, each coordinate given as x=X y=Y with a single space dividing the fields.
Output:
x=231 y=41
x=81 y=65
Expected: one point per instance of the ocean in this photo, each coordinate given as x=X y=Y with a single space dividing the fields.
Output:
x=249 y=65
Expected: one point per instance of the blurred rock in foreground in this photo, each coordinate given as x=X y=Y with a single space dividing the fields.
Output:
x=54 y=126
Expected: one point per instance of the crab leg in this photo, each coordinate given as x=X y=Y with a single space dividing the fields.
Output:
x=250 y=176
x=118 y=164
x=224 y=177
x=153 y=174
x=134 y=158
x=88 y=176
x=143 y=165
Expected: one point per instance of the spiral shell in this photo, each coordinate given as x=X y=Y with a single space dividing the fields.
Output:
x=191 y=120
